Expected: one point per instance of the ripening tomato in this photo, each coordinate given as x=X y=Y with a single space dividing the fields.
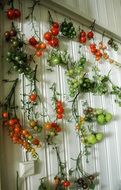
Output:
x=35 y=142
x=55 y=31
x=58 y=129
x=24 y=132
x=32 y=41
x=54 y=125
x=5 y=115
x=98 y=53
x=32 y=123
x=48 y=36
x=42 y=45
x=38 y=53
x=48 y=125
x=10 y=13
x=92 y=45
x=33 y=97
x=55 y=25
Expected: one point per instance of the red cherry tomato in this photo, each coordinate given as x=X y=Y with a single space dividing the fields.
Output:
x=12 y=121
x=60 y=110
x=82 y=33
x=17 y=130
x=17 y=13
x=54 y=125
x=93 y=50
x=58 y=103
x=48 y=36
x=98 y=53
x=59 y=116
x=92 y=45
x=32 y=41
x=55 y=31
x=55 y=25
x=5 y=115
x=66 y=183
x=90 y=35
x=33 y=97
x=83 y=39
x=10 y=13
x=54 y=42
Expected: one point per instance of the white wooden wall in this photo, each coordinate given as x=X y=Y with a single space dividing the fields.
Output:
x=105 y=157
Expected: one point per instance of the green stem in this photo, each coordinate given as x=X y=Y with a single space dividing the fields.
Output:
x=17 y=181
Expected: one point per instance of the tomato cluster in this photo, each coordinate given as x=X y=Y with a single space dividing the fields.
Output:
x=39 y=46
x=59 y=109
x=19 y=135
x=35 y=126
x=51 y=36
x=13 y=13
x=83 y=36
x=86 y=182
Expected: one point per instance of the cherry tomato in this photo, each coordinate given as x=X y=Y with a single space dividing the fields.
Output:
x=12 y=122
x=58 y=103
x=83 y=39
x=60 y=110
x=33 y=97
x=90 y=35
x=54 y=125
x=38 y=53
x=48 y=36
x=7 y=34
x=10 y=13
x=55 y=31
x=37 y=46
x=55 y=25
x=13 y=32
x=82 y=33
x=42 y=45
x=93 y=50
x=35 y=142
x=17 y=130
x=92 y=45
x=98 y=53
x=17 y=13
x=59 y=116
x=5 y=115
x=54 y=42
x=58 y=129
x=47 y=125
x=32 y=41
x=24 y=132
x=32 y=123
x=66 y=183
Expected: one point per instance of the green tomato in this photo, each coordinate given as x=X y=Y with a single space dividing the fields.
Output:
x=55 y=60
x=91 y=139
x=101 y=119
x=108 y=117
x=99 y=136
x=99 y=111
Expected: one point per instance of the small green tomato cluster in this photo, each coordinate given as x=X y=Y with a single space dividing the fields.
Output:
x=96 y=114
x=75 y=76
x=93 y=138
x=112 y=44
x=67 y=29
x=16 y=55
x=56 y=57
